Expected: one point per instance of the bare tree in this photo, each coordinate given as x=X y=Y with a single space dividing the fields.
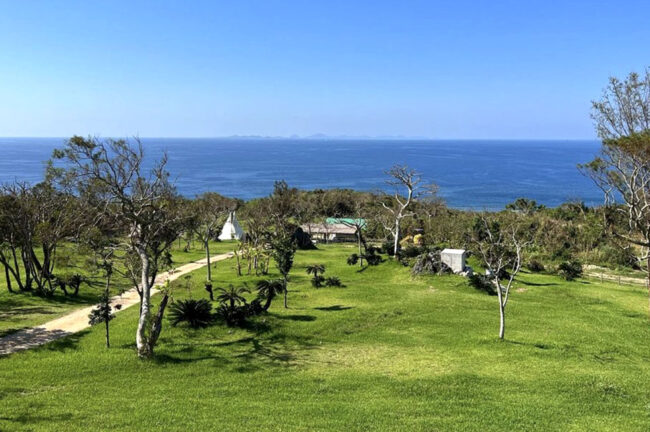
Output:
x=500 y=249
x=210 y=210
x=622 y=170
x=407 y=188
x=111 y=174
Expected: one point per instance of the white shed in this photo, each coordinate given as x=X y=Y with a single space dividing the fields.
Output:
x=454 y=258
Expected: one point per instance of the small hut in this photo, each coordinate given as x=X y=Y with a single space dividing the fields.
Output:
x=231 y=229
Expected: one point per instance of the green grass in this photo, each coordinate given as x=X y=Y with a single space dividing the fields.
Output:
x=20 y=310
x=387 y=352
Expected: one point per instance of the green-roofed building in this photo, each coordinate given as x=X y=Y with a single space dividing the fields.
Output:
x=346 y=221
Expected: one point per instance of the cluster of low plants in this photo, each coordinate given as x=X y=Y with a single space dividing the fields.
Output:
x=429 y=263
x=233 y=308
x=535 y=266
x=318 y=280
x=482 y=283
x=370 y=257
x=570 y=270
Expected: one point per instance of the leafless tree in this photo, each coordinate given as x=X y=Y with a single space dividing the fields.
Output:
x=622 y=170
x=111 y=174
x=407 y=188
x=500 y=249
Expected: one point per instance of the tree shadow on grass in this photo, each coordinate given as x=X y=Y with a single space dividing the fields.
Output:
x=295 y=317
x=537 y=284
x=32 y=416
x=53 y=340
x=334 y=308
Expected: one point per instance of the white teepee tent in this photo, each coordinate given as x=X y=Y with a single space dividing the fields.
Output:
x=231 y=229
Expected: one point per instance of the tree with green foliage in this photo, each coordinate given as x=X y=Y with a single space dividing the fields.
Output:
x=103 y=313
x=110 y=175
x=283 y=249
x=622 y=170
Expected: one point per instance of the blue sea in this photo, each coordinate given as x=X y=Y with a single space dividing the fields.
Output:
x=471 y=174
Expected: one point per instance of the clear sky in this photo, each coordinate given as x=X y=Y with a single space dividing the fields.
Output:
x=453 y=69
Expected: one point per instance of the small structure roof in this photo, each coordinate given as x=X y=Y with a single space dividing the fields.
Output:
x=454 y=251
x=346 y=221
x=328 y=228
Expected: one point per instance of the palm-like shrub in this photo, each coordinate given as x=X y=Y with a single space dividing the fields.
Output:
x=268 y=289
x=333 y=281
x=316 y=270
x=233 y=307
x=232 y=296
x=196 y=313
x=353 y=259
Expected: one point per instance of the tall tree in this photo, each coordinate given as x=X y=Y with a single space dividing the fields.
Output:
x=210 y=210
x=283 y=249
x=500 y=249
x=622 y=170
x=407 y=188
x=111 y=173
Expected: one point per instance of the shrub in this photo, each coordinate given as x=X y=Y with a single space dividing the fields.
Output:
x=410 y=252
x=317 y=281
x=535 y=266
x=482 y=283
x=353 y=259
x=570 y=270
x=333 y=281
x=233 y=316
x=196 y=313
x=372 y=258
x=429 y=263
x=387 y=248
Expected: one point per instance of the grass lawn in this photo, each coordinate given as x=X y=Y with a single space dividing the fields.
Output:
x=387 y=352
x=20 y=310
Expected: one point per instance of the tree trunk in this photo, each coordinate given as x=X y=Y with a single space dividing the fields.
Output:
x=360 y=255
x=396 y=244
x=8 y=279
x=648 y=284
x=267 y=304
x=156 y=326
x=207 y=257
x=286 y=306
x=502 y=311
x=141 y=340
x=108 y=310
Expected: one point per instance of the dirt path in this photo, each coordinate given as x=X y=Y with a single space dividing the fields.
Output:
x=78 y=320
x=597 y=272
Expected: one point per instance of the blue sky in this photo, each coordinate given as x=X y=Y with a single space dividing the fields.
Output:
x=456 y=69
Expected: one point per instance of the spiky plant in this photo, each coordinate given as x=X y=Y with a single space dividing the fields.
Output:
x=196 y=313
x=268 y=289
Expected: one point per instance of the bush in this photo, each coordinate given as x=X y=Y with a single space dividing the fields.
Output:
x=535 y=266
x=333 y=281
x=410 y=252
x=429 y=263
x=482 y=283
x=570 y=270
x=353 y=259
x=196 y=313
x=387 y=248
x=317 y=281
x=233 y=316
x=372 y=258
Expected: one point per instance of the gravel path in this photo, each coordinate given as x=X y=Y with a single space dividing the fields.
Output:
x=78 y=320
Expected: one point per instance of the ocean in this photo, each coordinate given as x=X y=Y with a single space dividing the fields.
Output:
x=470 y=173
